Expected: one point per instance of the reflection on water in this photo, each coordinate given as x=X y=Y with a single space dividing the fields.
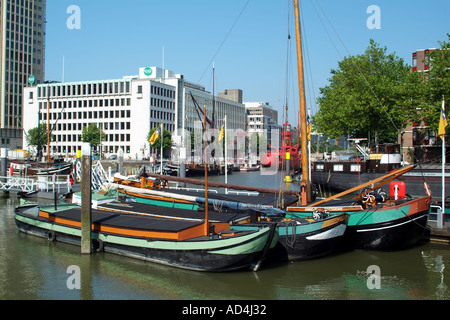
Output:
x=33 y=268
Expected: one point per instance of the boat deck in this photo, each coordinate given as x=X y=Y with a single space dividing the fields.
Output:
x=170 y=213
x=118 y=220
x=265 y=199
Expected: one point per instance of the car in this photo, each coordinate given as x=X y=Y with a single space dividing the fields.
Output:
x=113 y=157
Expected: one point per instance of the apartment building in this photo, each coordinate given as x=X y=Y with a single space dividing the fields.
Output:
x=22 y=54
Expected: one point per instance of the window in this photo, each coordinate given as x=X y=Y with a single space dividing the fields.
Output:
x=338 y=167
x=355 y=167
x=319 y=167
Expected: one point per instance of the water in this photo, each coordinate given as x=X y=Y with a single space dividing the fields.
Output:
x=36 y=269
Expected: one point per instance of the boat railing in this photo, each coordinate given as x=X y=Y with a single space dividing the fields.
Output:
x=195 y=189
x=247 y=193
x=35 y=183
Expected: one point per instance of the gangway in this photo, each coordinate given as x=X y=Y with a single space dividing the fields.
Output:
x=29 y=185
x=98 y=175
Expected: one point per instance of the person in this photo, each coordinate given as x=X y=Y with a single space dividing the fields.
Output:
x=71 y=180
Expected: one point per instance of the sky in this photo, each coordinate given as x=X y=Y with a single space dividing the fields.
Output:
x=245 y=40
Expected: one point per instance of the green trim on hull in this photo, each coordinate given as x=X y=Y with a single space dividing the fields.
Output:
x=225 y=246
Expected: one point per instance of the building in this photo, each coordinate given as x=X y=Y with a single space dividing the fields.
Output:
x=22 y=52
x=126 y=109
x=420 y=60
x=261 y=116
x=416 y=140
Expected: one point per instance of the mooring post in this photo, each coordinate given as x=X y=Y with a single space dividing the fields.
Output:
x=3 y=156
x=86 y=199
x=120 y=161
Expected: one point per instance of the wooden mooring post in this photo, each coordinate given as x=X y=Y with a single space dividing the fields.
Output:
x=86 y=199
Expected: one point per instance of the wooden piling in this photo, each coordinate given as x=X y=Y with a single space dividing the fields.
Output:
x=86 y=199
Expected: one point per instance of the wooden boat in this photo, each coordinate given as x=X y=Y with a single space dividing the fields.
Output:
x=344 y=172
x=175 y=242
x=377 y=221
x=28 y=169
x=305 y=238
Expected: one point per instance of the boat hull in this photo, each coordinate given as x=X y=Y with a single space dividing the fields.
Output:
x=390 y=235
x=216 y=254
x=389 y=227
x=309 y=240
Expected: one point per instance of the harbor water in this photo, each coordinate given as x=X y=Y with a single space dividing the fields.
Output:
x=32 y=268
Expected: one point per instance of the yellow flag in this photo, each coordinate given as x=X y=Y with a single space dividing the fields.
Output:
x=309 y=127
x=443 y=122
x=155 y=136
x=222 y=134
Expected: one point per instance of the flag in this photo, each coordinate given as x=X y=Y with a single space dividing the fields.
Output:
x=221 y=134
x=155 y=136
x=309 y=127
x=443 y=122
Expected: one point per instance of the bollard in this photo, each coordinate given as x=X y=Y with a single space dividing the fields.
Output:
x=86 y=199
x=120 y=161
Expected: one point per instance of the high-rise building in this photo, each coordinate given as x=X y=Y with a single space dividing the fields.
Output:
x=22 y=45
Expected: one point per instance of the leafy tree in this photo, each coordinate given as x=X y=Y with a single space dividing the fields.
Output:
x=368 y=96
x=93 y=135
x=38 y=136
x=436 y=85
x=167 y=139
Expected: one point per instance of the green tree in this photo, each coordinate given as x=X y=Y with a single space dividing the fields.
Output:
x=367 y=96
x=37 y=136
x=93 y=135
x=435 y=85
x=167 y=139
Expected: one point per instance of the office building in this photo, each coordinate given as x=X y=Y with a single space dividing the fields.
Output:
x=22 y=46
x=126 y=109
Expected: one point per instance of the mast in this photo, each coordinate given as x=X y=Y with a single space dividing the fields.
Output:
x=306 y=184
x=206 y=223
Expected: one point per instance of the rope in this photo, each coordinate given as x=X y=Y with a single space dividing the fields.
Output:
x=290 y=240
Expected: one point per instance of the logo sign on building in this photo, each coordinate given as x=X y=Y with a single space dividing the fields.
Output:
x=31 y=79
x=148 y=71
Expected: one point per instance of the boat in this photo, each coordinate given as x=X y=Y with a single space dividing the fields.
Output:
x=28 y=169
x=192 y=170
x=174 y=242
x=342 y=172
x=307 y=237
x=287 y=151
x=378 y=220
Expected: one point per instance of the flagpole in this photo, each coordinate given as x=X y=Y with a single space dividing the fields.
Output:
x=162 y=137
x=441 y=216
x=226 y=152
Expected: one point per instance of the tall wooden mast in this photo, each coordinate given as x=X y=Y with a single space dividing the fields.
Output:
x=306 y=184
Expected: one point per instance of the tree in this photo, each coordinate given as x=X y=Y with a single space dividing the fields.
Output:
x=37 y=136
x=93 y=135
x=167 y=142
x=436 y=85
x=368 y=96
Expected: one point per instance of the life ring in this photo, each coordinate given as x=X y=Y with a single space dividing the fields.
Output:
x=51 y=236
x=358 y=159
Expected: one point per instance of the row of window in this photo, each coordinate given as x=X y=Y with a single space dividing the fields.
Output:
x=70 y=90
x=123 y=102
x=83 y=115
x=77 y=137
x=72 y=149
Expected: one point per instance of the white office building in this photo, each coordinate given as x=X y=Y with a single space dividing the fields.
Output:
x=126 y=109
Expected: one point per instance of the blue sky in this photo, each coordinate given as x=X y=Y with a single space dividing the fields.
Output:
x=247 y=39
